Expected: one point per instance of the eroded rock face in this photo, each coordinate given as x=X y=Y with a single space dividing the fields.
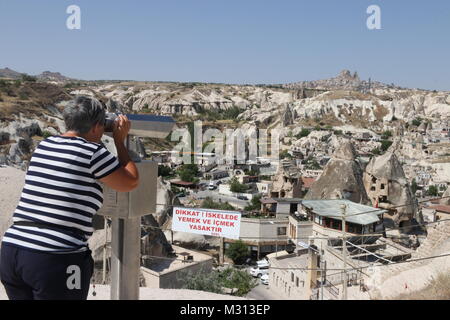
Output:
x=154 y=242
x=387 y=186
x=446 y=196
x=342 y=177
x=287 y=183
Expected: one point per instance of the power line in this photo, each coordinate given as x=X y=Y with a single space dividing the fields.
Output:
x=318 y=269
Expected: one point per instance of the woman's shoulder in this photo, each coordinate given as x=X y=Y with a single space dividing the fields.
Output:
x=74 y=142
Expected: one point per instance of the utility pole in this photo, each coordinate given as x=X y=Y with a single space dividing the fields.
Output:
x=104 y=250
x=344 y=253
x=324 y=278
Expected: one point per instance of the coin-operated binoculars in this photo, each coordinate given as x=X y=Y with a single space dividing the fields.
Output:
x=127 y=208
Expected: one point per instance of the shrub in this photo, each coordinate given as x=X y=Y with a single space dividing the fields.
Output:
x=23 y=96
x=46 y=134
x=385 y=144
x=303 y=133
x=28 y=78
x=416 y=122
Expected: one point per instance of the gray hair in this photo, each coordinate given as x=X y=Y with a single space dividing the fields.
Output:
x=82 y=113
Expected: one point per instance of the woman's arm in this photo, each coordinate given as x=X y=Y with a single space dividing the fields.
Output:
x=126 y=178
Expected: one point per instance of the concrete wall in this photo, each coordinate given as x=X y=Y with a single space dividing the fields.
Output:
x=173 y=279
x=253 y=229
x=288 y=284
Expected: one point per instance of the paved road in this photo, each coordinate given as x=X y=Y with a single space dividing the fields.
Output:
x=216 y=196
x=262 y=292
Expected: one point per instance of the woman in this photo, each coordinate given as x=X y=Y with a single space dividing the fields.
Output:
x=44 y=254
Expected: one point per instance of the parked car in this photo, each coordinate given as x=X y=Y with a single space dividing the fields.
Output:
x=261 y=268
x=265 y=279
x=211 y=186
x=242 y=197
x=259 y=271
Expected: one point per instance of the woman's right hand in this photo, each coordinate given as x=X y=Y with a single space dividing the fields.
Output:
x=121 y=128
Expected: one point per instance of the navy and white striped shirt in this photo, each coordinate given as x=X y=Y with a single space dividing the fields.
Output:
x=61 y=192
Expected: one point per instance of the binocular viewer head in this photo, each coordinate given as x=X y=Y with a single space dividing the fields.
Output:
x=150 y=126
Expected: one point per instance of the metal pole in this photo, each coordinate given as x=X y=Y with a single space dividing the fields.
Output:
x=125 y=258
x=104 y=250
x=344 y=253
x=324 y=277
x=125 y=255
x=221 y=251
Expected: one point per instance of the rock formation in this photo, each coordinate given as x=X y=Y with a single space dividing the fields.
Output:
x=342 y=177
x=387 y=186
x=287 y=183
x=446 y=197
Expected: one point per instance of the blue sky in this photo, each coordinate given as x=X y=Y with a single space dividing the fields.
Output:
x=228 y=41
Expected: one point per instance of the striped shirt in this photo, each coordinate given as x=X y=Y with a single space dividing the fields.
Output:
x=62 y=193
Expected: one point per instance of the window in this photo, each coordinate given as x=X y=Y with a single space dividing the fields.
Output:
x=292 y=276
x=316 y=219
x=281 y=231
x=382 y=186
x=296 y=281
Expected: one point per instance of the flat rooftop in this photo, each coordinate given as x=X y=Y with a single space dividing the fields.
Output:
x=164 y=265
x=355 y=212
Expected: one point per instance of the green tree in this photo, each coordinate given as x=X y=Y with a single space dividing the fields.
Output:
x=414 y=186
x=164 y=171
x=238 y=252
x=188 y=172
x=376 y=151
x=209 y=203
x=240 y=279
x=255 y=204
x=386 y=135
x=215 y=281
x=204 y=281
x=236 y=186
x=416 y=122
x=385 y=144
x=432 y=191
x=285 y=154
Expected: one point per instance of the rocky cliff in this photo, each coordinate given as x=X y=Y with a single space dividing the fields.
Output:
x=342 y=177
